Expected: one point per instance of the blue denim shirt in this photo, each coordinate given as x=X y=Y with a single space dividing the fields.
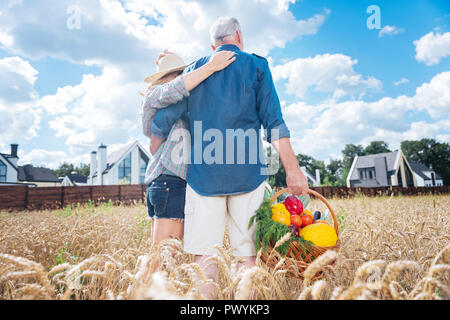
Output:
x=237 y=100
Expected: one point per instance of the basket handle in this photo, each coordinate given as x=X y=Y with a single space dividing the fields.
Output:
x=318 y=195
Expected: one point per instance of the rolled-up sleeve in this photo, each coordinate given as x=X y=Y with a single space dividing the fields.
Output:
x=269 y=106
x=160 y=97
x=166 y=118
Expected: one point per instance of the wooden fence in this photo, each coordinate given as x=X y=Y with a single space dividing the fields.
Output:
x=345 y=192
x=24 y=197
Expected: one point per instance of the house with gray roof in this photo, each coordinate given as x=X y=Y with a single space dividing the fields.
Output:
x=124 y=166
x=13 y=174
x=381 y=170
x=38 y=176
x=425 y=176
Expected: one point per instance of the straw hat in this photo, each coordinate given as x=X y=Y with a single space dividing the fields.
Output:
x=167 y=64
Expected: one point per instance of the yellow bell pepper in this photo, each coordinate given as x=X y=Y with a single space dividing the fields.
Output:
x=281 y=214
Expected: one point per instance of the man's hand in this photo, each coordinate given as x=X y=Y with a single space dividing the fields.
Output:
x=297 y=183
x=295 y=179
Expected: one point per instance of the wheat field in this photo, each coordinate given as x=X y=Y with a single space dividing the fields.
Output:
x=391 y=248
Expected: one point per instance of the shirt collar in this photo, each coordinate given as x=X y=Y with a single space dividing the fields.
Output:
x=228 y=47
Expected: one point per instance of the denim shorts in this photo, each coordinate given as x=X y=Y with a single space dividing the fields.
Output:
x=165 y=197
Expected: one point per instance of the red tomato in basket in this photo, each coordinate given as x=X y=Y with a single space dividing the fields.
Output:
x=306 y=220
x=296 y=221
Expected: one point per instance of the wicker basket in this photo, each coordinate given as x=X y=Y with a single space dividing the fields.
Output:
x=295 y=264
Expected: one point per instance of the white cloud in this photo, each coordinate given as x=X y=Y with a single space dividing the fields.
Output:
x=19 y=118
x=45 y=158
x=390 y=30
x=432 y=47
x=324 y=129
x=18 y=122
x=434 y=97
x=401 y=81
x=102 y=108
x=130 y=33
x=124 y=38
x=327 y=73
x=17 y=78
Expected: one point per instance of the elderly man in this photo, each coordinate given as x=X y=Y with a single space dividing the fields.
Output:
x=226 y=173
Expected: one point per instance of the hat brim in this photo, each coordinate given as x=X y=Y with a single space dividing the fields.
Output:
x=161 y=74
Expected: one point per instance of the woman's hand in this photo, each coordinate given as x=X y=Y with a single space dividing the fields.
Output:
x=221 y=60
x=162 y=55
x=155 y=143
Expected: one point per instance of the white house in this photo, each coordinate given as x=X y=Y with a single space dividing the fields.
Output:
x=381 y=170
x=126 y=165
x=9 y=171
x=425 y=176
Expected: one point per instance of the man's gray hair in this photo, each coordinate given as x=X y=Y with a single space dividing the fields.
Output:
x=222 y=28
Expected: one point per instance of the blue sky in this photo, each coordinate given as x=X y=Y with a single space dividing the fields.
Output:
x=63 y=91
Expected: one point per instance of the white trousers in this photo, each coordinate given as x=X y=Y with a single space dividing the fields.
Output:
x=206 y=218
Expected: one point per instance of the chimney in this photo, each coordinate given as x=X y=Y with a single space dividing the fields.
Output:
x=101 y=162
x=317 y=177
x=14 y=158
x=93 y=167
x=14 y=150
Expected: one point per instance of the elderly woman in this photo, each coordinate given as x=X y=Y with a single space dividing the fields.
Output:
x=165 y=195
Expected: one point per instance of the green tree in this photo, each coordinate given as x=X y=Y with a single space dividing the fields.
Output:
x=84 y=169
x=431 y=153
x=349 y=152
x=67 y=168
x=376 y=147
x=328 y=178
x=334 y=173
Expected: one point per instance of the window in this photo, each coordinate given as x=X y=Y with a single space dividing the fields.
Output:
x=2 y=172
x=125 y=169
x=367 y=174
x=143 y=169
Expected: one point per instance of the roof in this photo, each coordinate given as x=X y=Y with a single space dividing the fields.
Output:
x=77 y=178
x=114 y=157
x=32 y=174
x=118 y=155
x=369 y=162
x=6 y=157
x=419 y=168
x=309 y=175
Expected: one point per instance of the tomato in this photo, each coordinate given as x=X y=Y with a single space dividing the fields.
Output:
x=307 y=212
x=296 y=221
x=320 y=221
x=306 y=220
